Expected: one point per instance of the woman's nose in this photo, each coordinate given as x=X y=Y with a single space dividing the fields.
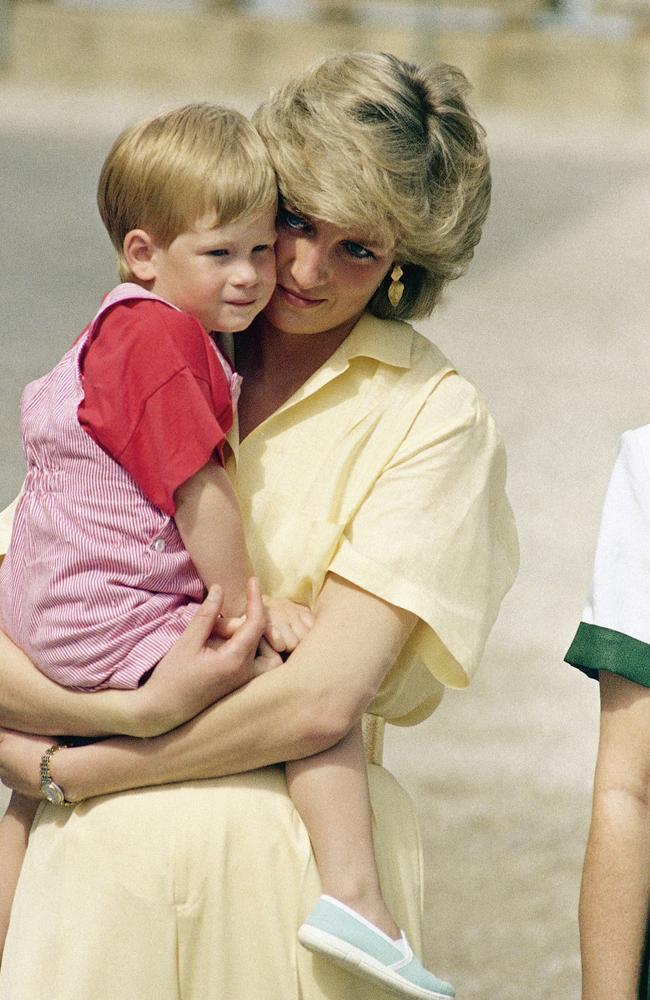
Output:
x=310 y=266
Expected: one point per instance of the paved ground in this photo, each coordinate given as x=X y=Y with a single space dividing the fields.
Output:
x=551 y=324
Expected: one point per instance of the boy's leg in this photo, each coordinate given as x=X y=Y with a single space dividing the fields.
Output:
x=330 y=791
x=14 y=831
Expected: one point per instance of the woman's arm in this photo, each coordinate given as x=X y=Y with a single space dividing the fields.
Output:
x=616 y=878
x=31 y=703
x=301 y=708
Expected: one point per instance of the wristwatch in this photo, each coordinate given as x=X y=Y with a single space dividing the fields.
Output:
x=49 y=789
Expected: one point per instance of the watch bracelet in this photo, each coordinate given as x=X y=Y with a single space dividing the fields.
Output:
x=46 y=776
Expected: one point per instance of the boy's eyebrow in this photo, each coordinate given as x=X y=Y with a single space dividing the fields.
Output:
x=215 y=243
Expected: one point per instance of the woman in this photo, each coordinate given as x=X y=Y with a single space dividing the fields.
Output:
x=371 y=482
x=612 y=644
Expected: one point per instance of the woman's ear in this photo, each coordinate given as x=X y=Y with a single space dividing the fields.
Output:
x=138 y=250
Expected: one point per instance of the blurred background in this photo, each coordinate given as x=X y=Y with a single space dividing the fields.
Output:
x=550 y=323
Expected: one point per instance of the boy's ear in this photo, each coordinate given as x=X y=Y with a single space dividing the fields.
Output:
x=139 y=252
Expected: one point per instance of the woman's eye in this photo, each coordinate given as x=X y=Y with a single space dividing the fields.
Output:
x=293 y=221
x=358 y=251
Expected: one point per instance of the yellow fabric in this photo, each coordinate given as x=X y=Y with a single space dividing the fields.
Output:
x=386 y=468
x=190 y=892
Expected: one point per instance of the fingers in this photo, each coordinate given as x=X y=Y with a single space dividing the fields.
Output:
x=205 y=620
x=254 y=606
x=278 y=638
x=302 y=622
x=306 y=617
x=267 y=658
x=247 y=635
x=226 y=627
x=287 y=624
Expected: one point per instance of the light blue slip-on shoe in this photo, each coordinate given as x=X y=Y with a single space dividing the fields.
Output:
x=334 y=930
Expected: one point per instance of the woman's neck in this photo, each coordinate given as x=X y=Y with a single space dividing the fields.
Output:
x=275 y=365
x=280 y=357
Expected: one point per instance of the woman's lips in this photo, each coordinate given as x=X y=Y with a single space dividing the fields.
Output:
x=297 y=299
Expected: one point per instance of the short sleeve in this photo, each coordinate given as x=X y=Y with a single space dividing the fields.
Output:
x=156 y=397
x=614 y=633
x=436 y=535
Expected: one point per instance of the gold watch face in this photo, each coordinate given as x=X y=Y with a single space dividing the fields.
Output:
x=53 y=793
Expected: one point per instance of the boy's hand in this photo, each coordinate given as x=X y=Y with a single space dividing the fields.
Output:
x=266 y=659
x=287 y=623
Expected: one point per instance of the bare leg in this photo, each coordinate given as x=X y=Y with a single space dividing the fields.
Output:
x=14 y=831
x=330 y=791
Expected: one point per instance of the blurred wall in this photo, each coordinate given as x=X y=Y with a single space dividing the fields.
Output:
x=523 y=63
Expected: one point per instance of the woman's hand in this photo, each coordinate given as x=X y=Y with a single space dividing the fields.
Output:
x=200 y=669
x=20 y=761
x=196 y=672
x=307 y=706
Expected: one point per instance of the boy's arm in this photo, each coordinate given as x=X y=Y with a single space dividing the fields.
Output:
x=209 y=522
x=14 y=831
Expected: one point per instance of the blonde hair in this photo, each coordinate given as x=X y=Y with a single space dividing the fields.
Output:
x=391 y=151
x=164 y=174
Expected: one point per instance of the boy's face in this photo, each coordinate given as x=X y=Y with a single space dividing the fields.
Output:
x=222 y=275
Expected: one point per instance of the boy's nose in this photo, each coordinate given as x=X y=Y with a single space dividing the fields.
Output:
x=245 y=274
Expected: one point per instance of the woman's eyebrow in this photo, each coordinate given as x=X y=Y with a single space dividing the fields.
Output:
x=286 y=206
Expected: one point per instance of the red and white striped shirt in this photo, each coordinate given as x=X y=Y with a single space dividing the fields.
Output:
x=96 y=585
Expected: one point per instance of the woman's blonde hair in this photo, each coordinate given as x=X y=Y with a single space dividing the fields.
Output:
x=164 y=174
x=391 y=151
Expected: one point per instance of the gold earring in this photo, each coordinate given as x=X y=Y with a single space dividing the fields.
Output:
x=396 y=287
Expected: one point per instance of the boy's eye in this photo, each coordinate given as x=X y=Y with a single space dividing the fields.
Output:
x=358 y=251
x=262 y=247
x=217 y=253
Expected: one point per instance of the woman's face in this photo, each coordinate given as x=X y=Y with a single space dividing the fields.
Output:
x=326 y=275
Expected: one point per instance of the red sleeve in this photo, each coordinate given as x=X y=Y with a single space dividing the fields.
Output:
x=156 y=397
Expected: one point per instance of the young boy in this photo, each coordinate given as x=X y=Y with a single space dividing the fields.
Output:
x=127 y=513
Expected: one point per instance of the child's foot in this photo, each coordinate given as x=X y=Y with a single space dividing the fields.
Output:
x=334 y=930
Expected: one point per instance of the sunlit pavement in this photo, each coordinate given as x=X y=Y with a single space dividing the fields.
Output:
x=551 y=323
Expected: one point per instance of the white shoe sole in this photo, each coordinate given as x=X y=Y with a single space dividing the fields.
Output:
x=361 y=964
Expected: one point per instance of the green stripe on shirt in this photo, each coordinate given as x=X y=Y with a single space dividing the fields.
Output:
x=596 y=648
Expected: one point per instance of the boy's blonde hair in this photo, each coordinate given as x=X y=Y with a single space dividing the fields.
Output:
x=390 y=151
x=164 y=174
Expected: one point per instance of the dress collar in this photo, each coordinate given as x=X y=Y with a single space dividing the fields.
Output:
x=388 y=341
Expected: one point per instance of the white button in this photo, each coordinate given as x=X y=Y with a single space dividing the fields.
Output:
x=159 y=545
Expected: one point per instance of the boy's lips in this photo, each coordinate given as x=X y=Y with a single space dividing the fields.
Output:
x=297 y=298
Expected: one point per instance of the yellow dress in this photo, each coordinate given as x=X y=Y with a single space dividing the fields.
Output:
x=385 y=468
